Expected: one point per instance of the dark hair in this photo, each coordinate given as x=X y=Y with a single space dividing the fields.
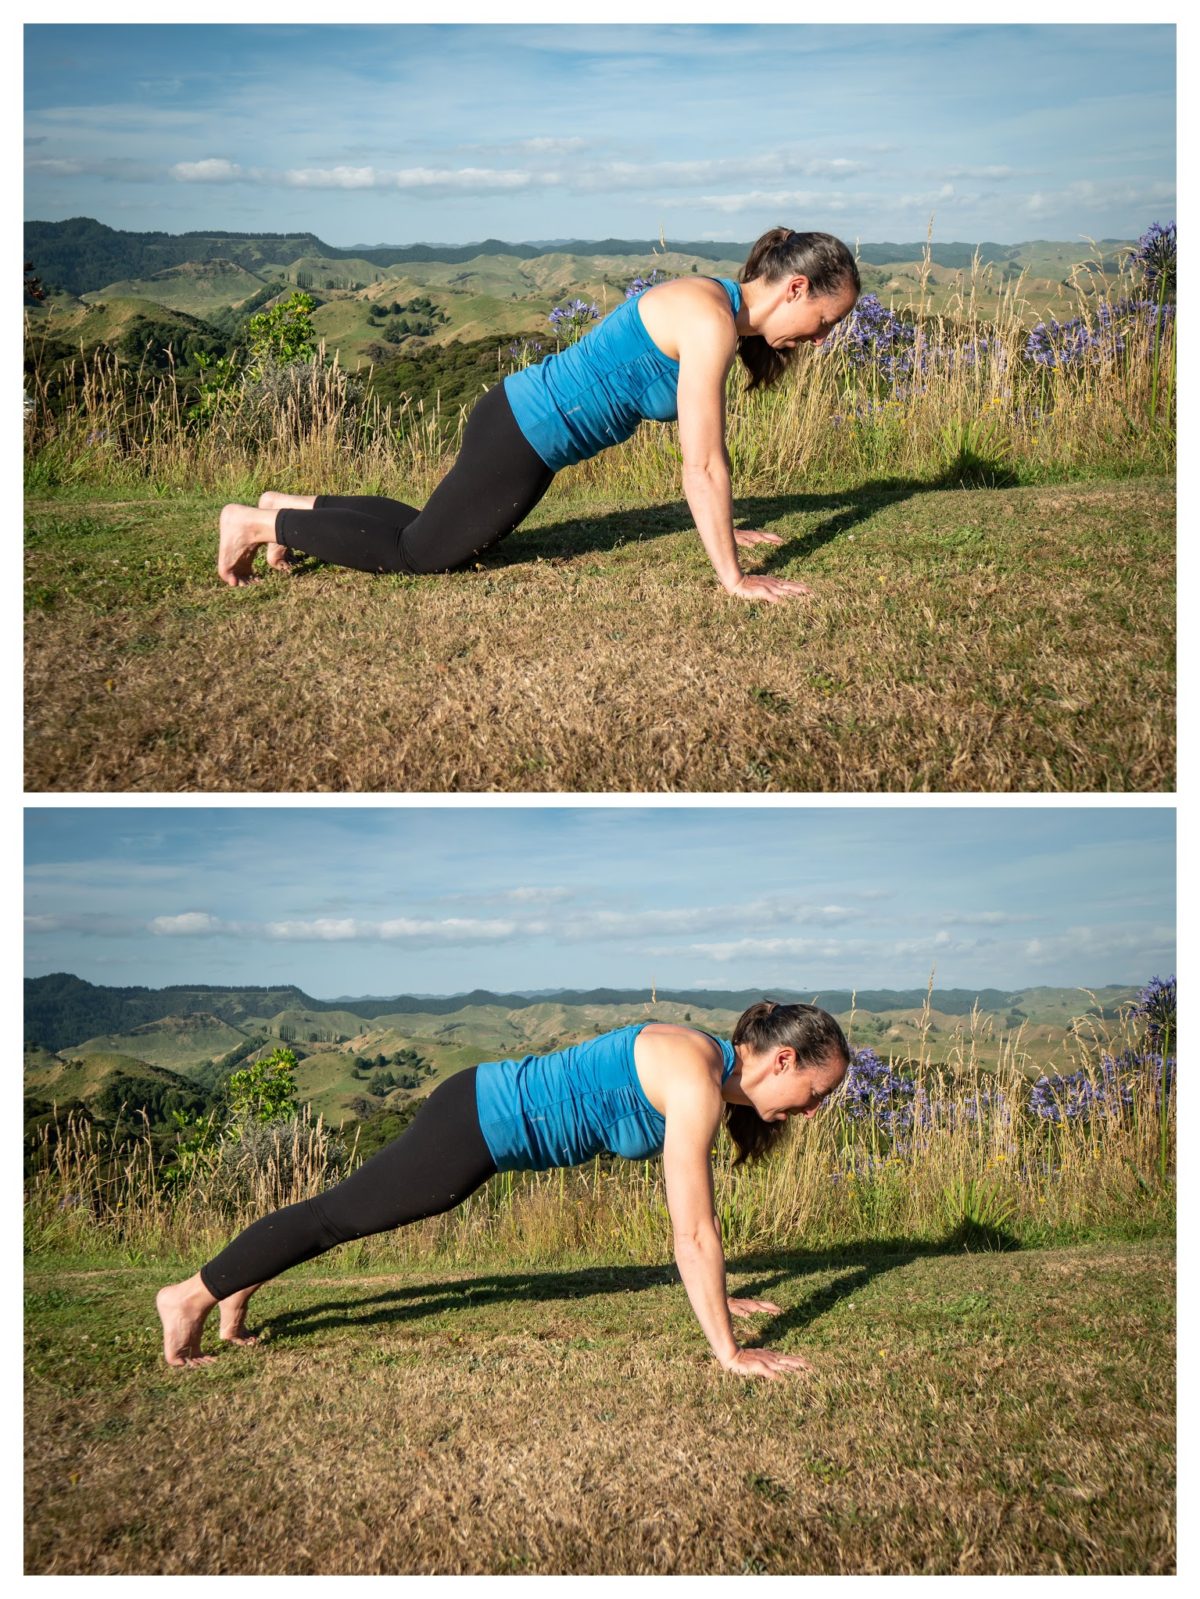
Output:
x=823 y=260
x=807 y=1029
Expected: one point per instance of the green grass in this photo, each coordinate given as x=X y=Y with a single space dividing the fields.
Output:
x=961 y=639
x=968 y=1414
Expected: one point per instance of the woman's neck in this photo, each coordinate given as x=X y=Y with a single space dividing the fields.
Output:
x=731 y=1089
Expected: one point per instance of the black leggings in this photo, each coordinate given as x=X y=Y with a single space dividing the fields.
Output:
x=496 y=481
x=435 y=1163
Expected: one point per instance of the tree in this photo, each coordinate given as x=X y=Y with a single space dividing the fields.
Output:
x=284 y=333
x=265 y=1091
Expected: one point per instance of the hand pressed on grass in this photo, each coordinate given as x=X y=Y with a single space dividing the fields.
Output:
x=767 y=1363
x=751 y=586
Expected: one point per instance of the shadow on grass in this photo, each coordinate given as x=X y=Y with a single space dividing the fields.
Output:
x=844 y=510
x=860 y=1266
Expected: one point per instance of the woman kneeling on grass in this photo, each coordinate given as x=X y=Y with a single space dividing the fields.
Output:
x=636 y=1091
x=663 y=354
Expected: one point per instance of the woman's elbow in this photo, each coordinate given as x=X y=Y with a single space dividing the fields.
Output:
x=705 y=469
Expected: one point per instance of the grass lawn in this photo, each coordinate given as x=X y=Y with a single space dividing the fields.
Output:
x=992 y=639
x=969 y=1413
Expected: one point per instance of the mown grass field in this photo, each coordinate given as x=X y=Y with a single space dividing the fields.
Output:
x=996 y=639
x=969 y=1413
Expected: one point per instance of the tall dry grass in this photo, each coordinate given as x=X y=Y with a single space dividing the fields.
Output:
x=976 y=1168
x=978 y=415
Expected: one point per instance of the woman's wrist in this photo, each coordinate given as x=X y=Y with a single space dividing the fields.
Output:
x=727 y=1359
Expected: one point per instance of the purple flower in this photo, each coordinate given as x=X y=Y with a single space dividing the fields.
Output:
x=873 y=336
x=1157 y=1003
x=1117 y=324
x=573 y=319
x=640 y=283
x=1156 y=256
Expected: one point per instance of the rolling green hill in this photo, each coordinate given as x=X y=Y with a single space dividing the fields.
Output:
x=196 y=288
x=179 y=1042
x=183 y=1021
x=85 y=1077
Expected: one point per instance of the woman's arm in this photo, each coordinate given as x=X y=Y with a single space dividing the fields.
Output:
x=705 y=356
x=692 y=1119
x=693 y=1112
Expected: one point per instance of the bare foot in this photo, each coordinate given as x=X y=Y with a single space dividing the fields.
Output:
x=183 y=1312
x=233 y=1320
x=279 y=556
x=242 y=531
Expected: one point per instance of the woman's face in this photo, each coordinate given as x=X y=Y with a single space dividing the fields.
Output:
x=779 y=1088
x=804 y=318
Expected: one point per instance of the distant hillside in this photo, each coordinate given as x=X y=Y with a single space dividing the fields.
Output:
x=82 y=255
x=62 y=1011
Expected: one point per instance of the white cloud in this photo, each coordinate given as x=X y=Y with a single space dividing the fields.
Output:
x=770 y=200
x=695 y=919
x=55 y=167
x=981 y=172
x=451 y=930
x=1138 y=943
x=43 y=924
x=744 y=948
x=550 y=146
x=537 y=896
x=449 y=180
x=939 y=943
x=1087 y=195
x=987 y=919
x=214 y=170
x=189 y=924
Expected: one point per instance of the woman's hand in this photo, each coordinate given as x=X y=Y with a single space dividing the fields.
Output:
x=765 y=1363
x=749 y=535
x=752 y=1307
x=750 y=586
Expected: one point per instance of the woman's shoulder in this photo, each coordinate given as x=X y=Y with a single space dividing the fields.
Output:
x=669 y=1057
x=675 y=312
x=681 y=1036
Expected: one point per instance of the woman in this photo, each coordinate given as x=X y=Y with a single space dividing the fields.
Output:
x=664 y=353
x=641 y=1089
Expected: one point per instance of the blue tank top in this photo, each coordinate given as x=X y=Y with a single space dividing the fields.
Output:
x=563 y=1108
x=594 y=393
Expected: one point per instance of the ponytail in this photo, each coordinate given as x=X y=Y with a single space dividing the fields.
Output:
x=827 y=264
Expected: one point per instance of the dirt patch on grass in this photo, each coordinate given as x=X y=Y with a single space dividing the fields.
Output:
x=570 y=1422
x=988 y=640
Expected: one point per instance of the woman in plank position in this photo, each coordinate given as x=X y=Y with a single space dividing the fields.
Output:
x=633 y=1092
x=663 y=354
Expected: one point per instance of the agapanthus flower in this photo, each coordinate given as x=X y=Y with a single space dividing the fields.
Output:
x=639 y=283
x=574 y=318
x=1155 y=255
x=1157 y=1003
x=1116 y=324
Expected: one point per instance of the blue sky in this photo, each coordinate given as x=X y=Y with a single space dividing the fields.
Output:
x=441 y=900
x=396 y=134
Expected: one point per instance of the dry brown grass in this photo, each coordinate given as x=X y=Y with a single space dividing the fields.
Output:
x=969 y=1414
x=998 y=640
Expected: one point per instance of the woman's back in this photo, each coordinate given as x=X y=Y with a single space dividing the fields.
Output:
x=572 y=1104
x=595 y=392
